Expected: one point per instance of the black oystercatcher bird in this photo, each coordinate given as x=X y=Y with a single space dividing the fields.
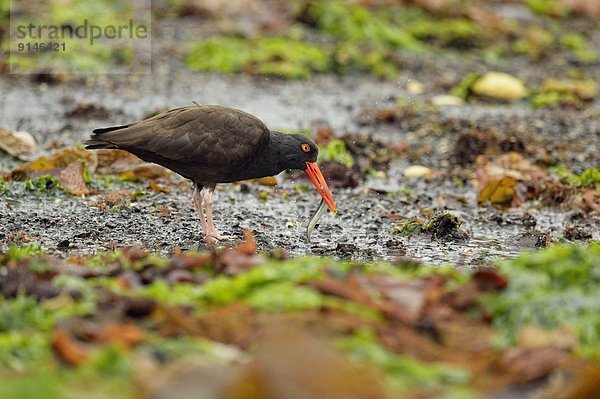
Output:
x=211 y=144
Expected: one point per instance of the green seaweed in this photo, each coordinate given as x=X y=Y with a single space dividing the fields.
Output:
x=162 y=292
x=23 y=328
x=590 y=177
x=108 y=371
x=3 y=186
x=284 y=296
x=548 y=99
x=459 y=32
x=335 y=150
x=263 y=195
x=42 y=184
x=578 y=44
x=302 y=188
x=23 y=313
x=357 y=24
x=463 y=88
x=276 y=56
x=548 y=7
x=551 y=288
x=408 y=228
x=404 y=372
x=23 y=251
x=4 y=14
x=350 y=58
x=223 y=290
x=38 y=385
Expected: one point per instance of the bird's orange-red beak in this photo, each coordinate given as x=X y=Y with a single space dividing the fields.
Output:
x=313 y=171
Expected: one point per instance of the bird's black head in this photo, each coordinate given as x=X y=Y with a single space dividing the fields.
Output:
x=295 y=150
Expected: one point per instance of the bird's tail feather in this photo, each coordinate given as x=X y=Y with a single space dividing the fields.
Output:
x=96 y=142
x=108 y=129
x=96 y=145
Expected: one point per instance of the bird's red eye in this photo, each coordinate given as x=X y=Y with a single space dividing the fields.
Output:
x=305 y=148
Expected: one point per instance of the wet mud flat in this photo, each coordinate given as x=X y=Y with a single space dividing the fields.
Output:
x=363 y=229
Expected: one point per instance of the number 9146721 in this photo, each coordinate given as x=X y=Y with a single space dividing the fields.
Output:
x=34 y=47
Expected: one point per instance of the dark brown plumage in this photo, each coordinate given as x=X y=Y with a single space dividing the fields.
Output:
x=211 y=144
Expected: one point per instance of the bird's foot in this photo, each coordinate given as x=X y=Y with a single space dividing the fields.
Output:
x=215 y=235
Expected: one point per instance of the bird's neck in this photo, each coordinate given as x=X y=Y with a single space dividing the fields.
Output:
x=267 y=161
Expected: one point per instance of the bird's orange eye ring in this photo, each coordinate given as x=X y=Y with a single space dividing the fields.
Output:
x=305 y=147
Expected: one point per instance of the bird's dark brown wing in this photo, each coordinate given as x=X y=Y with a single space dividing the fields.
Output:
x=205 y=143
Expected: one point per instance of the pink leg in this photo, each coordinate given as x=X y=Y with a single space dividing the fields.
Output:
x=211 y=231
x=198 y=203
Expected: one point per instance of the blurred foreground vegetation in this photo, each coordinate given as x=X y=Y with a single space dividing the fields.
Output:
x=133 y=324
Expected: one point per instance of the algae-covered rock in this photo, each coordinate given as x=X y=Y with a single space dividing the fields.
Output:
x=446 y=227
